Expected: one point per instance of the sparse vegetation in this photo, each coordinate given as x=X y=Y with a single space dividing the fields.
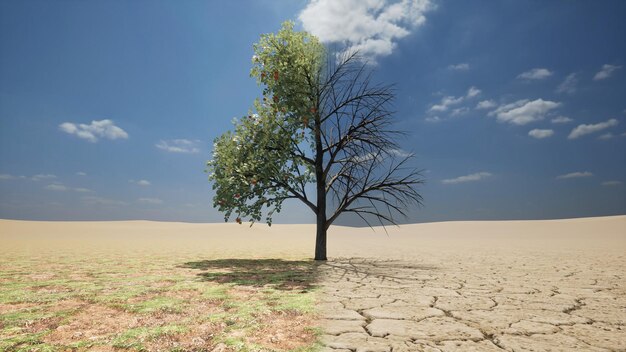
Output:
x=149 y=303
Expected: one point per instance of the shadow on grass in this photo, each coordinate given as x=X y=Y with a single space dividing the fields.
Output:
x=278 y=273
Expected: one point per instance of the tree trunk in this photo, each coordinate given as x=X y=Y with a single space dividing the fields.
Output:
x=320 y=239
x=320 y=181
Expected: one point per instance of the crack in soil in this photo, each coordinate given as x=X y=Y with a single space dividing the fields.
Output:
x=490 y=302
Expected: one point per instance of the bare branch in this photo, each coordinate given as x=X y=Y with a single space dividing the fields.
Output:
x=365 y=172
x=296 y=194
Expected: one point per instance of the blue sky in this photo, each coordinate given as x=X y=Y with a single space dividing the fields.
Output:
x=108 y=110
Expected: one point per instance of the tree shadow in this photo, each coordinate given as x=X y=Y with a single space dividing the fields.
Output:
x=368 y=268
x=276 y=273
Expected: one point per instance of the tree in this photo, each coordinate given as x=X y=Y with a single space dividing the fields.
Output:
x=322 y=122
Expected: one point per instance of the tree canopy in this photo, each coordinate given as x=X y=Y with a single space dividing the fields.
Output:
x=320 y=121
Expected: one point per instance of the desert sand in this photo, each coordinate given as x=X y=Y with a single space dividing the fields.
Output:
x=555 y=285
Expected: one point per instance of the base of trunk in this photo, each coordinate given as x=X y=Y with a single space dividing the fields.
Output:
x=320 y=243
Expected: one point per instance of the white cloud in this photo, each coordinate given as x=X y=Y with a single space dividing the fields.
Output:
x=80 y=173
x=370 y=26
x=605 y=72
x=449 y=101
x=569 y=84
x=367 y=157
x=57 y=187
x=472 y=92
x=43 y=177
x=577 y=174
x=433 y=119
x=150 y=201
x=141 y=182
x=446 y=102
x=179 y=146
x=535 y=74
x=612 y=183
x=459 y=67
x=524 y=111
x=36 y=178
x=539 y=134
x=486 y=104
x=467 y=178
x=401 y=153
x=459 y=111
x=93 y=200
x=583 y=129
x=393 y=152
x=95 y=130
x=606 y=136
x=6 y=177
x=561 y=119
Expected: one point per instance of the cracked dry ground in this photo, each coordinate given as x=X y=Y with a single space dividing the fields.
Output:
x=477 y=299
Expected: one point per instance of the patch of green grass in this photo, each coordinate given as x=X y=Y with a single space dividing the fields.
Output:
x=21 y=292
x=10 y=331
x=25 y=342
x=299 y=302
x=22 y=317
x=246 y=312
x=183 y=285
x=14 y=335
x=119 y=295
x=315 y=347
x=215 y=318
x=216 y=293
x=239 y=344
x=85 y=289
x=132 y=338
x=82 y=345
x=29 y=291
x=159 y=303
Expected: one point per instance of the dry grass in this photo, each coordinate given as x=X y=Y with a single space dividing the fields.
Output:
x=135 y=301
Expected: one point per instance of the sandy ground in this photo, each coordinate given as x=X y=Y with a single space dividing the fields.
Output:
x=556 y=285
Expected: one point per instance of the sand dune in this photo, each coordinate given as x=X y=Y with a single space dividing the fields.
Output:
x=298 y=240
